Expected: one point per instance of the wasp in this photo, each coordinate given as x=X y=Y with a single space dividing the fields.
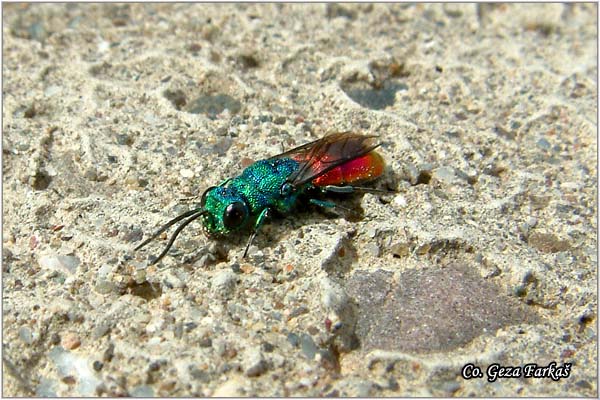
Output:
x=334 y=163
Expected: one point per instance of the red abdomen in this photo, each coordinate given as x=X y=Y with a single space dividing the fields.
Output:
x=361 y=169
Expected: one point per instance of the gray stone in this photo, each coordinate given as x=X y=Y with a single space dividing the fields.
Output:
x=308 y=346
x=223 y=283
x=104 y=287
x=254 y=363
x=444 y=174
x=142 y=391
x=26 y=335
x=100 y=330
x=66 y=264
x=412 y=316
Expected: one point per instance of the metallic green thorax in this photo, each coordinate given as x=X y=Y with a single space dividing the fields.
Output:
x=257 y=189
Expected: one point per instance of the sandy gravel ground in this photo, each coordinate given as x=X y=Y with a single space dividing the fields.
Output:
x=116 y=116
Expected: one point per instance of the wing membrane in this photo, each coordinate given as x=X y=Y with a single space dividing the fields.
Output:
x=322 y=155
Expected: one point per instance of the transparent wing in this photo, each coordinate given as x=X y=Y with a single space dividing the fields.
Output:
x=322 y=155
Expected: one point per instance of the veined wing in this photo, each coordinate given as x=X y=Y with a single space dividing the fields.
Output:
x=320 y=156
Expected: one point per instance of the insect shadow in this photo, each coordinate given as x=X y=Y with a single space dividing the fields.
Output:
x=305 y=214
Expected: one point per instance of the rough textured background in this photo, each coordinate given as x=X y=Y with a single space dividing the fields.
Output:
x=114 y=114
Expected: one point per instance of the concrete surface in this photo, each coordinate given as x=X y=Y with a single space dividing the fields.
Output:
x=114 y=115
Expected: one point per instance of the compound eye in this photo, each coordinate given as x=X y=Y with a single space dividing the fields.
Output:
x=286 y=189
x=235 y=215
x=203 y=198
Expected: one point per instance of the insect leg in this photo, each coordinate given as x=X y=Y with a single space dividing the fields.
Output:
x=329 y=204
x=323 y=203
x=259 y=222
x=352 y=189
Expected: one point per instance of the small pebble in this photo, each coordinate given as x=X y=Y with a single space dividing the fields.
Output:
x=333 y=295
x=186 y=173
x=156 y=324
x=584 y=384
x=308 y=346
x=97 y=365
x=364 y=389
x=400 y=250
x=400 y=201
x=104 y=270
x=55 y=339
x=230 y=388
x=190 y=326
x=109 y=353
x=37 y=32
x=151 y=119
x=171 y=280
x=222 y=146
x=544 y=144
x=140 y=277
x=393 y=384
x=70 y=364
x=224 y=283
x=133 y=235
x=199 y=374
x=103 y=46
x=280 y=120
x=328 y=359
x=52 y=90
x=265 y=118
x=124 y=139
x=235 y=267
x=372 y=232
x=91 y=174
x=104 y=287
x=450 y=387
x=267 y=347
x=100 y=330
x=374 y=249
x=220 y=347
x=46 y=388
x=411 y=172
x=532 y=222
x=142 y=391
x=66 y=264
x=25 y=335
x=178 y=330
x=154 y=366
x=298 y=311
x=293 y=339
x=167 y=386
x=70 y=341
x=444 y=174
x=255 y=364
